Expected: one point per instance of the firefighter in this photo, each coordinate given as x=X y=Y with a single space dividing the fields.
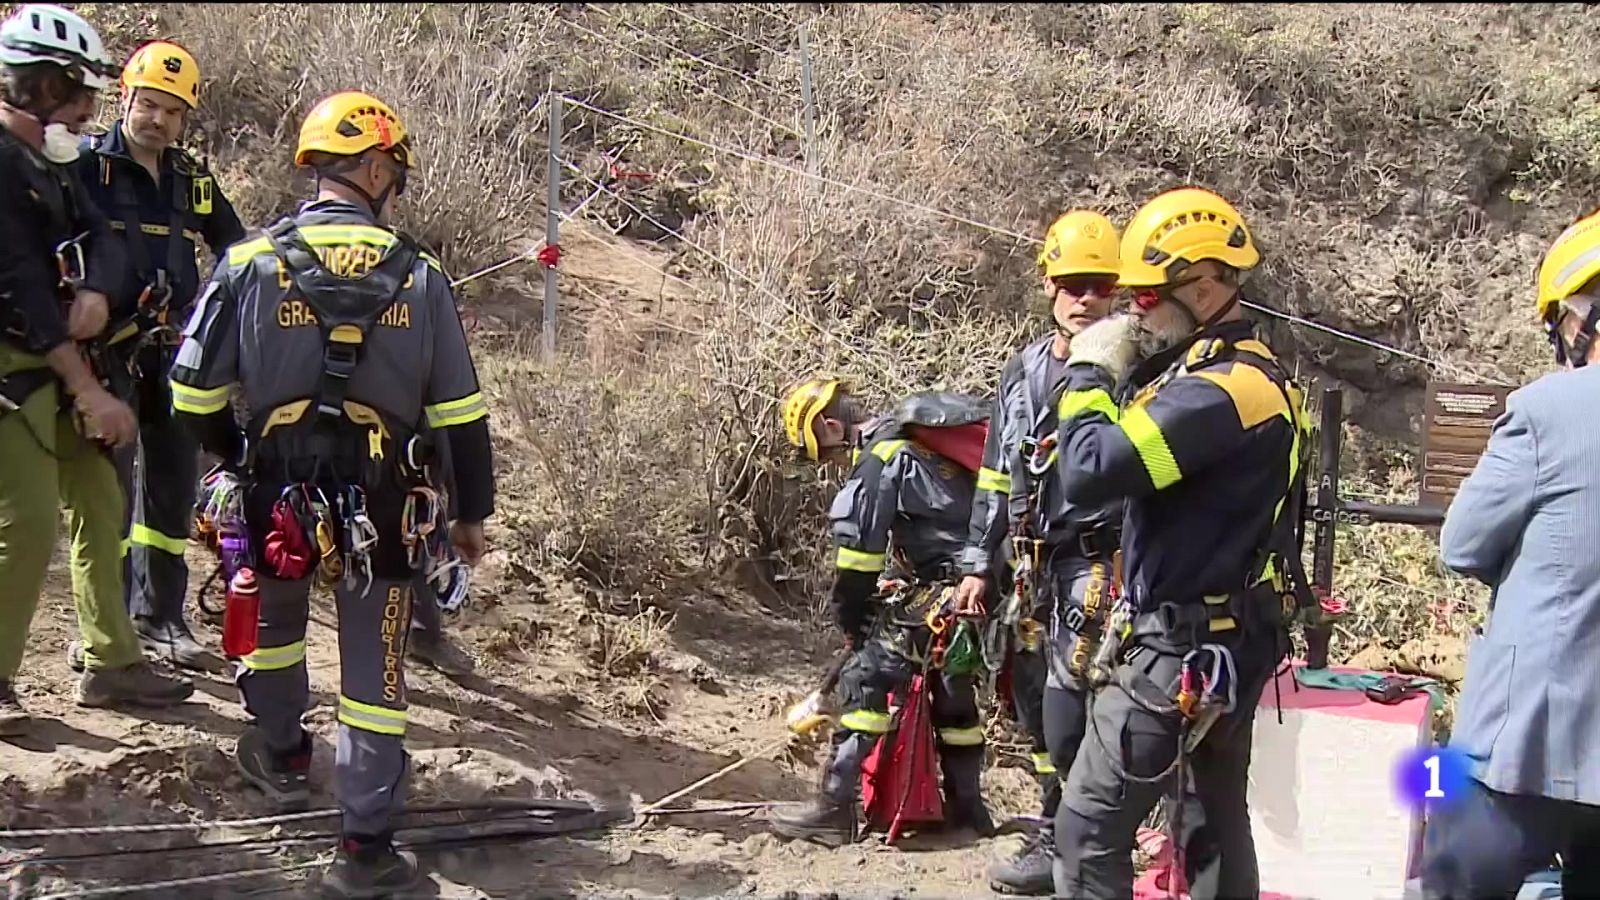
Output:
x=1205 y=457
x=56 y=249
x=897 y=490
x=1067 y=548
x=162 y=201
x=342 y=338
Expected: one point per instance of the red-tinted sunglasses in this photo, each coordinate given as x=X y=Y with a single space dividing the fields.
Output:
x=1150 y=297
x=1084 y=285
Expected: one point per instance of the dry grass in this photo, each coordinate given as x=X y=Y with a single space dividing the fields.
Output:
x=1402 y=167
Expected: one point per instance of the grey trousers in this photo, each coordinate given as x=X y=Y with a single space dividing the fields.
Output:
x=371 y=765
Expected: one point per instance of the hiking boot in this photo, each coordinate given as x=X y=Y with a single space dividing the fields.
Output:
x=14 y=720
x=964 y=806
x=821 y=819
x=369 y=867
x=136 y=684
x=284 y=778
x=1029 y=872
x=75 y=656
x=172 y=641
x=435 y=649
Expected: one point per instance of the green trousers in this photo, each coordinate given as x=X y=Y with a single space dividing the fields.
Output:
x=48 y=466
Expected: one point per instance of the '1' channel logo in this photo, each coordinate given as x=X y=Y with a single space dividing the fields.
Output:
x=1432 y=776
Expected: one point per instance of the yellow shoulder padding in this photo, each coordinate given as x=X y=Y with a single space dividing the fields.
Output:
x=1255 y=397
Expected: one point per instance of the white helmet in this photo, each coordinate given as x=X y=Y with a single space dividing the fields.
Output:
x=40 y=32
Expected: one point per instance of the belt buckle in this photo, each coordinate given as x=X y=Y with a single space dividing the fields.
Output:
x=1087 y=545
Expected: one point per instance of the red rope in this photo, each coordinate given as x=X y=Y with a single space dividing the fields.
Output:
x=549 y=255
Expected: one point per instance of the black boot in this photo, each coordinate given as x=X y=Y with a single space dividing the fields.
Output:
x=369 y=867
x=963 y=791
x=1030 y=871
x=830 y=817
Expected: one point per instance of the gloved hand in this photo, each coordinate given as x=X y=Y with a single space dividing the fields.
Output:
x=1109 y=343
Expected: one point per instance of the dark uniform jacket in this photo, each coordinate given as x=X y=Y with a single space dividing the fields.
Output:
x=249 y=329
x=1204 y=456
x=41 y=205
x=1025 y=406
x=904 y=491
x=142 y=213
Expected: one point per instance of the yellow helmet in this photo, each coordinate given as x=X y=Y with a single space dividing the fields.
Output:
x=1570 y=263
x=350 y=123
x=1082 y=242
x=166 y=67
x=800 y=411
x=1183 y=226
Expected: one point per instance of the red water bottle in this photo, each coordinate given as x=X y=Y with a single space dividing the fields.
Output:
x=241 y=615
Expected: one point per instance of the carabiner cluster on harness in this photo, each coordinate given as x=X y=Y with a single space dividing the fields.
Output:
x=359 y=538
x=1039 y=454
x=1206 y=688
x=423 y=527
x=222 y=511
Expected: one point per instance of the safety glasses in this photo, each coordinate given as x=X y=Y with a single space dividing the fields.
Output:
x=1084 y=285
x=1148 y=298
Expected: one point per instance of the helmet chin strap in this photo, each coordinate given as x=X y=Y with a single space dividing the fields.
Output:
x=1576 y=355
x=375 y=203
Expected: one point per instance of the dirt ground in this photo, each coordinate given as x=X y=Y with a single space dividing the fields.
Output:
x=571 y=700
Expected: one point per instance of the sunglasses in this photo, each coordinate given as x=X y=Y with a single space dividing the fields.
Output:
x=1084 y=285
x=1149 y=298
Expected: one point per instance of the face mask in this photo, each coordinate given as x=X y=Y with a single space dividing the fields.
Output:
x=60 y=144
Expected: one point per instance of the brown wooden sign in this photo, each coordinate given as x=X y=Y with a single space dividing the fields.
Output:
x=1455 y=430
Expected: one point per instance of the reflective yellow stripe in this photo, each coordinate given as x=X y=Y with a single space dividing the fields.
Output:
x=155 y=230
x=325 y=236
x=990 y=480
x=1091 y=400
x=198 y=401
x=127 y=546
x=1042 y=764
x=856 y=561
x=149 y=537
x=865 y=721
x=271 y=659
x=886 y=449
x=961 y=737
x=367 y=717
x=470 y=408
x=1152 y=448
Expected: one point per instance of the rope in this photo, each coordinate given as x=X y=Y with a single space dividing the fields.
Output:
x=182 y=882
x=749 y=156
x=725 y=770
x=697 y=58
x=548 y=805
x=803 y=316
x=834 y=182
x=714 y=27
x=526 y=256
x=656 y=62
x=161 y=827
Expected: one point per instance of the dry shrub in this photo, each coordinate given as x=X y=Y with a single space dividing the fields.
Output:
x=1401 y=166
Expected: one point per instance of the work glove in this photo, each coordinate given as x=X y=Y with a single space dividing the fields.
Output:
x=1110 y=343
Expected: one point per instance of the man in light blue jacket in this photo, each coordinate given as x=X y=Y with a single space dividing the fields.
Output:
x=1527 y=523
